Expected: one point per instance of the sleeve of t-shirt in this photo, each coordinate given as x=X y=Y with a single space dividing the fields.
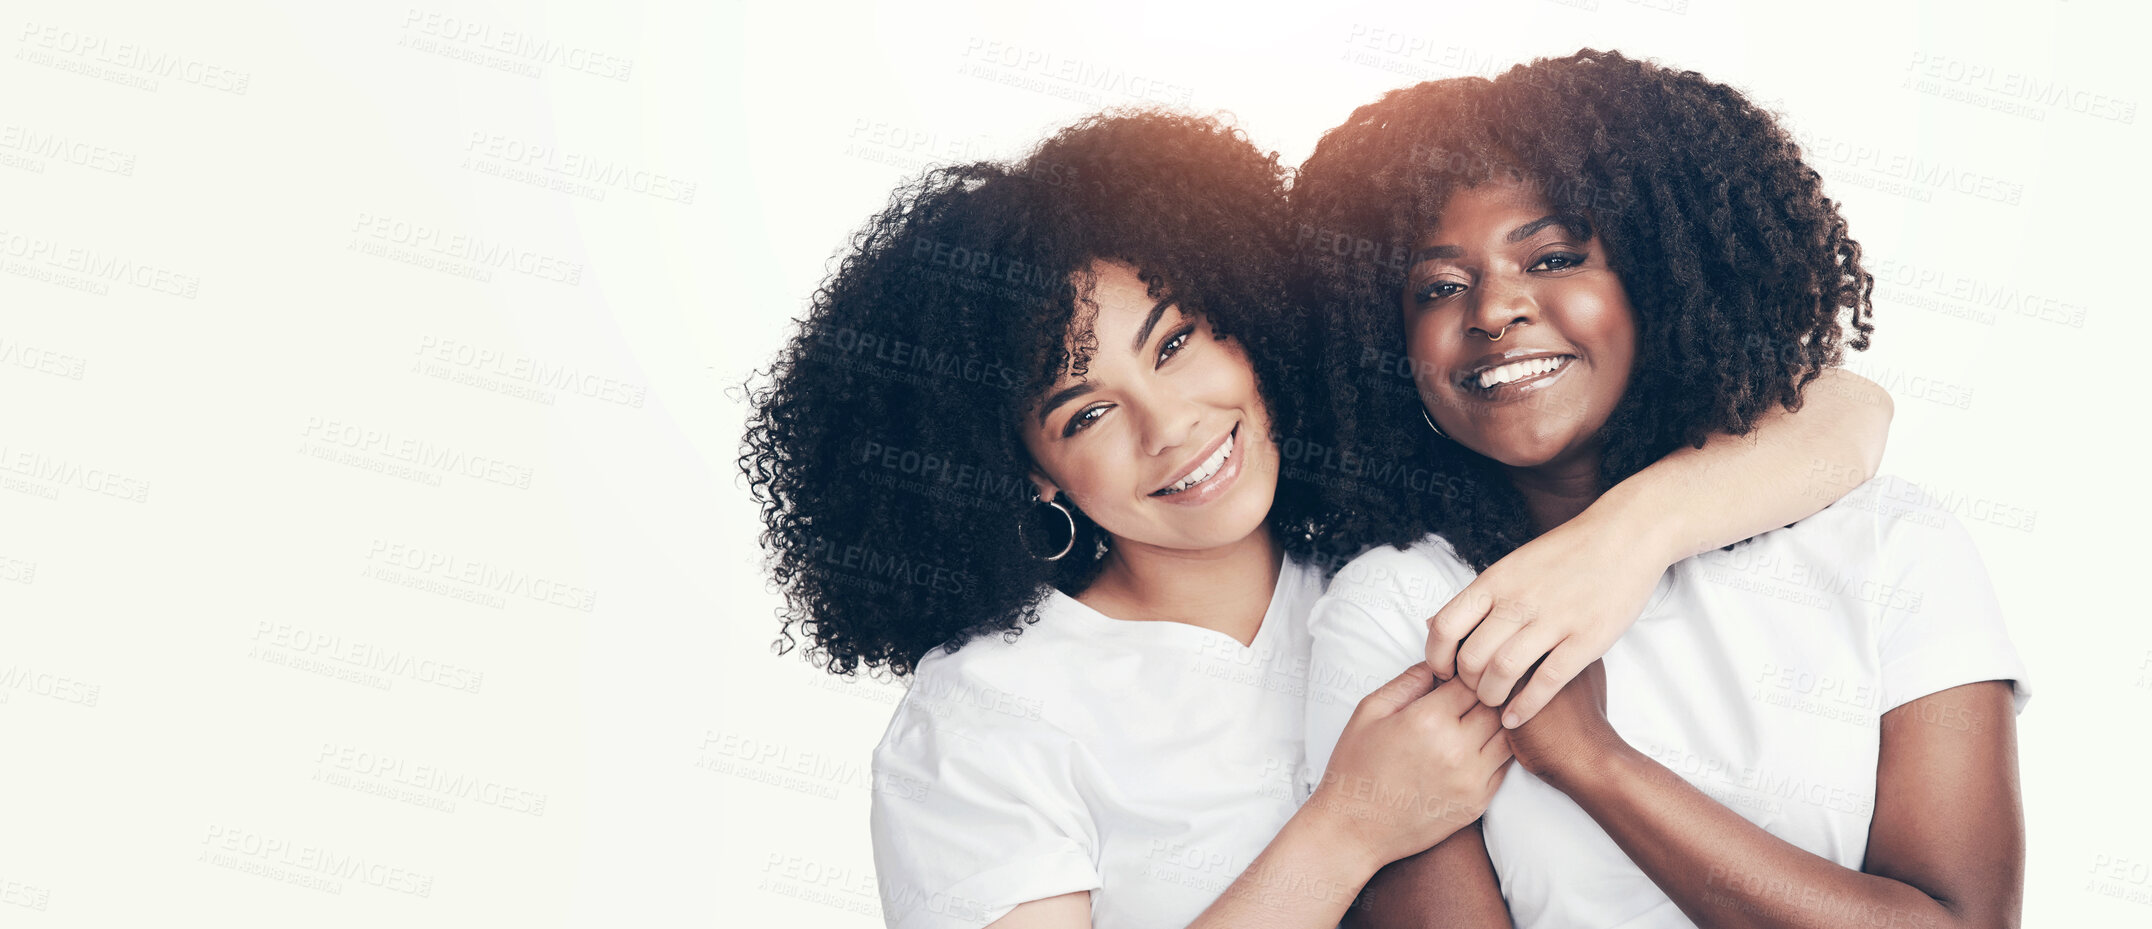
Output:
x=972 y=817
x=1942 y=625
x=1370 y=626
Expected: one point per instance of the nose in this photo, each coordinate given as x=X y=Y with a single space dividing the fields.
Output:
x=1502 y=303
x=1167 y=420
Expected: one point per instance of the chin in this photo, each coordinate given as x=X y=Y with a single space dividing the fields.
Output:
x=1513 y=451
x=1217 y=526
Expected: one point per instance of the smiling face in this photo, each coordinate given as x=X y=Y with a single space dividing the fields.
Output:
x=1521 y=336
x=1164 y=440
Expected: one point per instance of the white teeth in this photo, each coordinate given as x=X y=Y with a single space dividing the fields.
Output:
x=1206 y=470
x=1517 y=370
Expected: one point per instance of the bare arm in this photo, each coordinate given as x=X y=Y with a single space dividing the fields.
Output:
x=1304 y=879
x=1739 y=486
x=1568 y=594
x=1450 y=886
x=1068 y=911
x=1946 y=847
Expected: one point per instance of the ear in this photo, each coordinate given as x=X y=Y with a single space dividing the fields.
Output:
x=1045 y=486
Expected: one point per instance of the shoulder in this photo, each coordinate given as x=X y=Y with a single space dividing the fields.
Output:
x=1888 y=550
x=1414 y=581
x=1896 y=520
x=996 y=683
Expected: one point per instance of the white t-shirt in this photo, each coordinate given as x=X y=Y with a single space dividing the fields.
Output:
x=1146 y=762
x=1759 y=675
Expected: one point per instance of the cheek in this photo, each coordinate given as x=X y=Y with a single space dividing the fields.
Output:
x=1425 y=348
x=1226 y=379
x=1100 y=465
x=1609 y=323
x=1617 y=332
x=1074 y=465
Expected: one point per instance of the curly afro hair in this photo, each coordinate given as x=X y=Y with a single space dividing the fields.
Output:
x=1736 y=264
x=884 y=446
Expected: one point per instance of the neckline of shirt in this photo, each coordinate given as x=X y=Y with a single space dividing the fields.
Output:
x=1287 y=574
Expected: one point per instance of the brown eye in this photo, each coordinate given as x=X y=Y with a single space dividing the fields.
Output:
x=1433 y=291
x=1083 y=419
x=1174 y=343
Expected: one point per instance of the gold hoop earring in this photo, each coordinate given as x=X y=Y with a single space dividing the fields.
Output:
x=1431 y=422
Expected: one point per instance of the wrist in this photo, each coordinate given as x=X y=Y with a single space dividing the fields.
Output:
x=1653 y=536
x=1609 y=763
x=1328 y=827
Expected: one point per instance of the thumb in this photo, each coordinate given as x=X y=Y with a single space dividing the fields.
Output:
x=1410 y=685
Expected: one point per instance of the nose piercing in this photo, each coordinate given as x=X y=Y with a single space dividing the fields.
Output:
x=1498 y=336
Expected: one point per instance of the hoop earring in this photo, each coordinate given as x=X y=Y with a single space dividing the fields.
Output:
x=1065 y=514
x=1431 y=422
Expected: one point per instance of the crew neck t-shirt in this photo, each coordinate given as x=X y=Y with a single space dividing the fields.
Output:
x=1146 y=762
x=1758 y=674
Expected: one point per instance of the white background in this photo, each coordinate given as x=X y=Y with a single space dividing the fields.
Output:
x=242 y=529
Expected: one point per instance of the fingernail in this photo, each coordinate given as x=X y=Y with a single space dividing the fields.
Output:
x=1510 y=721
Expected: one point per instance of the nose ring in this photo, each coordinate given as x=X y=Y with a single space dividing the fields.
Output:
x=1498 y=336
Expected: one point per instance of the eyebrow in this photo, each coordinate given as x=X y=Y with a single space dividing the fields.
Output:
x=1570 y=222
x=1143 y=335
x=1439 y=251
x=1053 y=401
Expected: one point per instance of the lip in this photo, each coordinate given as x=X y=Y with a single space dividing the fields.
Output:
x=1218 y=484
x=1467 y=382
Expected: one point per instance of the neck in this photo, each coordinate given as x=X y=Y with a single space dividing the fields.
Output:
x=1554 y=493
x=1227 y=589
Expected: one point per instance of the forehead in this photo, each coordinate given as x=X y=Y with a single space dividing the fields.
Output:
x=1117 y=298
x=1477 y=210
x=1113 y=305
